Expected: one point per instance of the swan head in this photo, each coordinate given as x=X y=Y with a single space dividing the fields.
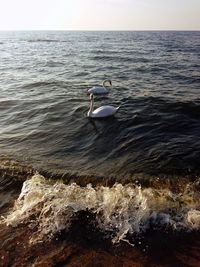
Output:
x=91 y=96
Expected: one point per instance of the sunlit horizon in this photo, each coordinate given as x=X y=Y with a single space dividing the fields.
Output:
x=100 y=15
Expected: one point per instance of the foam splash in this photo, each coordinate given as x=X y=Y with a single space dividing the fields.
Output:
x=50 y=207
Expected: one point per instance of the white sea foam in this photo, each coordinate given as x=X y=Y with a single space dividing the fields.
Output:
x=49 y=206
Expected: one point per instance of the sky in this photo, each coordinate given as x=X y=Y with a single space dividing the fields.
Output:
x=99 y=14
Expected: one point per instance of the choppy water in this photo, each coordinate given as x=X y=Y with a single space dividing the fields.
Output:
x=44 y=76
x=43 y=105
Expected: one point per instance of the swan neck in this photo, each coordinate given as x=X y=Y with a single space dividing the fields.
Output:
x=106 y=81
x=104 y=84
x=91 y=107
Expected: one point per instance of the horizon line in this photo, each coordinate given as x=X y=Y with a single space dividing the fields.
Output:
x=125 y=30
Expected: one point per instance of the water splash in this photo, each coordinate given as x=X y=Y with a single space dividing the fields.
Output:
x=50 y=207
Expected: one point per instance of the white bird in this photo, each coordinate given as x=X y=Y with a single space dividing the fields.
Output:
x=100 y=90
x=101 y=112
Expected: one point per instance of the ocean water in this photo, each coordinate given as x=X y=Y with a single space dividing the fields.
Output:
x=137 y=169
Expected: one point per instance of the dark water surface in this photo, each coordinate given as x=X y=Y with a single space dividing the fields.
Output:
x=154 y=137
x=44 y=76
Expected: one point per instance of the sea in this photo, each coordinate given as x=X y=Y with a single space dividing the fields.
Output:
x=120 y=191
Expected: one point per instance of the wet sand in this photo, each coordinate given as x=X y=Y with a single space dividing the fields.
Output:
x=86 y=246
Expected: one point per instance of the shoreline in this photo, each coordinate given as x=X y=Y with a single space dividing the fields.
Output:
x=83 y=248
x=84 y=243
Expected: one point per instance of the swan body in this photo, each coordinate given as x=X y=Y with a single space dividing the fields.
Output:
x=100 y=90
x=101 y=112
x=104 y=111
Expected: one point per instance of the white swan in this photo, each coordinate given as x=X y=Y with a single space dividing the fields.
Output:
x=98 y=90
x=101 y=112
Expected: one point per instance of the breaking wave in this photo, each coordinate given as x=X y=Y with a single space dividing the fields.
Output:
x=48 y=207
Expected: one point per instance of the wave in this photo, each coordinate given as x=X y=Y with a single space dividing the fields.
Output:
x=149 y=135
x=168 y=106
x=120 y=210
x=46 y=41
x=48 y=84
x=113 y=58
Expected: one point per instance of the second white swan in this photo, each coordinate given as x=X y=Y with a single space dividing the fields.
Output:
x=100 y=90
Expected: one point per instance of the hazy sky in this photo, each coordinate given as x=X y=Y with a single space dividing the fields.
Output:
x=99 y=14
